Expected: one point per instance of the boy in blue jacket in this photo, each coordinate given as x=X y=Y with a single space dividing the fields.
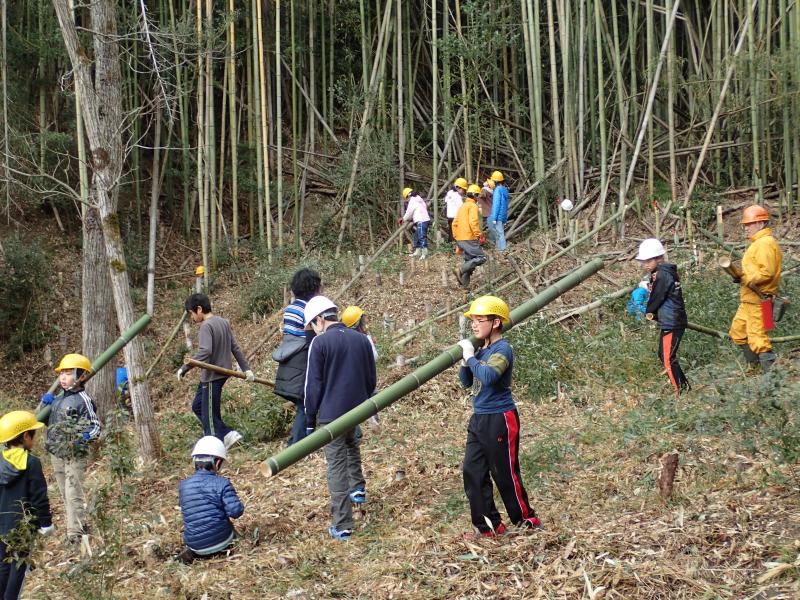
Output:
x=492 y=452
x=340 y=376
x=499 y=216
x=23 y=489
x=665 y=305
x=208 y=503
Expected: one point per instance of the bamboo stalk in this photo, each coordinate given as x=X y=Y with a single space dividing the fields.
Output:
x=228 y=372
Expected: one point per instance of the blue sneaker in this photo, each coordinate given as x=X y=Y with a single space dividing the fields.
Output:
x=358 y=496
x=343 y=534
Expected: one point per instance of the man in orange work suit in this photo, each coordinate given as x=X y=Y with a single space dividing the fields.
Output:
x=761 y=268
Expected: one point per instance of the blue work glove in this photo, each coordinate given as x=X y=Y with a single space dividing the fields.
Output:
x=85 y=436
x=309 y=430
x=48 y=398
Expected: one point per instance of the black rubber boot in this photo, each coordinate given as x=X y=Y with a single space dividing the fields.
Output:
x=749 y=356
x=767 y=359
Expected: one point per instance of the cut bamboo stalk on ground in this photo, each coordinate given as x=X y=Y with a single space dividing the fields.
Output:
x=724 y=336
x=369 y=261
x=229 y=372
x=328 y=432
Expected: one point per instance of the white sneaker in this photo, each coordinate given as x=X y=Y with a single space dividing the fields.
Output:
x=415 y=253
x=231 y=438
x=423 y=254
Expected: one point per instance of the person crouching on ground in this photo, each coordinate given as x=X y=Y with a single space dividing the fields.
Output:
x=467 y=231
x=417 y=211
x=492 y=449
x=665 y=305
x=340 y=376
x=208 y=503
x=71 y=427
x=22 y=484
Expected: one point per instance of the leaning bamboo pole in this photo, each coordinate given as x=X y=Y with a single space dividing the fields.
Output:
x=330 y=431
x=713 y=123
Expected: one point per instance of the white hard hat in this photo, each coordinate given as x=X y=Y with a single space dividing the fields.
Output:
x=650 y=248
x=566 y=204
x=210 y=445
x=643 y=284
x=315 y=307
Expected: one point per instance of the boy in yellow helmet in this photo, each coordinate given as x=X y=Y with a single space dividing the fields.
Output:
x=73 y=424
x=467 y=232
x=492 y=451
x=22 y=483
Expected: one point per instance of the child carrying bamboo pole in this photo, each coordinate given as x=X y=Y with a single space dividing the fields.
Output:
x=492 y=450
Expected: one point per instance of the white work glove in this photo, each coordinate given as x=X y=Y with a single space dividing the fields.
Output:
x=180 y=374
x=249 y=375
x=46 y=530
x=467 y=351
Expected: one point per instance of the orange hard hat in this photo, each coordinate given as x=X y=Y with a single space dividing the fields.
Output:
x=753 y=214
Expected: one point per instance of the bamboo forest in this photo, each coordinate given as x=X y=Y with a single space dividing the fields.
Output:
x=502 y=296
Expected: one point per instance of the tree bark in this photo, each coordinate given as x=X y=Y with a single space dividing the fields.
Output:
x=102 y=111
x=97 y=311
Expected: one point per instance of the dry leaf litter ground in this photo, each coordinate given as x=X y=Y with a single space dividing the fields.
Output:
x=729 y=531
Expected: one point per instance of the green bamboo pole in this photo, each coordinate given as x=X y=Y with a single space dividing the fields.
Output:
x=601 y=111
x=102 y=360
x=386 y=397
x=257 y=73
x=435 y=110
x=234 y=129
x=279 y=119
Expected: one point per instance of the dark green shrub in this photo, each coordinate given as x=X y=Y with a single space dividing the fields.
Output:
x=24 y=281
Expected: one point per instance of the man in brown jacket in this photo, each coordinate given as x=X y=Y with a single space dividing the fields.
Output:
x=468 y=236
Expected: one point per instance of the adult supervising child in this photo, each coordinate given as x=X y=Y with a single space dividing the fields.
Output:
x=216 y=343
x=665 y=305
x=340 y=376
x=492 y=451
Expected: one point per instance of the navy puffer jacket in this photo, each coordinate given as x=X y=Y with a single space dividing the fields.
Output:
x=208 y=503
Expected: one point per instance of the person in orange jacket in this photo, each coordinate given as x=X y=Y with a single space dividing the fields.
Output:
x=468 y=236
x=761 y=268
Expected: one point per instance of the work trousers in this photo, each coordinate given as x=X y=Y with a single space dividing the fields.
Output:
x=69 y=474
x=668 y=355
x=748 y=328
x=450 y=229
x=421 y=234
x=12 y=575
x=299 y=423
x=473 y=257
x=206 y=405
x=492 y=454
x=499 y=231
x=343 y=456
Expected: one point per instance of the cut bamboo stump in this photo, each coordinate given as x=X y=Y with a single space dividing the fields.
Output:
x=666 y=478
x=444 y=277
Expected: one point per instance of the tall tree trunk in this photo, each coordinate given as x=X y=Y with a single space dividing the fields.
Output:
x=101 y=93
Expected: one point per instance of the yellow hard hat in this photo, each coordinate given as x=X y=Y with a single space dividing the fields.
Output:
x=489 y=183
x=461 y=183
x=201 y=270
x=74 y=361
x=474 y=189
x=406 y=192
x=16 y=422
x=489 y=305
x=497 y=176
x=352 y=315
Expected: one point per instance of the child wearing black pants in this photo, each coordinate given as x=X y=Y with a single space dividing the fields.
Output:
x=492 y=450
